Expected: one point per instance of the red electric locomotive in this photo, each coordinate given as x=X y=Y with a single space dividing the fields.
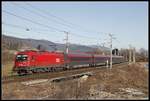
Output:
x=44 y=61
x=38 y=61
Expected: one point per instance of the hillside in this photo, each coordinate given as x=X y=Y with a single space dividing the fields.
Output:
x=14 y=43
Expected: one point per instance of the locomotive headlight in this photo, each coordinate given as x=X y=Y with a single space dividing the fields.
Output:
x=18 y=55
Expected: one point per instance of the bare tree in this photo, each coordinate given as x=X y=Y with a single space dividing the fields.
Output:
x=142 y=55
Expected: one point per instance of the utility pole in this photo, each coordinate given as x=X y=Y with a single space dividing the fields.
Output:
x=103 y=48
x=134 y=55
x=110 y=51
x=67 y=44
x=126 y=55
x=130 y=54
x=66 y=50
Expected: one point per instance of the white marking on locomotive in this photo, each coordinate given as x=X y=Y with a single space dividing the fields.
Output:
x=57 y=59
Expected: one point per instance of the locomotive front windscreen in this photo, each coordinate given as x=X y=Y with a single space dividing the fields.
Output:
x=21 y=57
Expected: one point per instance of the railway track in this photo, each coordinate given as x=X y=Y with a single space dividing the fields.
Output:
x=50 y=75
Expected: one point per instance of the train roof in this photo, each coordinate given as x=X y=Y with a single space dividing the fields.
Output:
x=34 y=51
x=60 y=52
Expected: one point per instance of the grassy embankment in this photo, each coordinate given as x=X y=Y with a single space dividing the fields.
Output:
x=104 y=84
x=7 y=62
x=7 y=69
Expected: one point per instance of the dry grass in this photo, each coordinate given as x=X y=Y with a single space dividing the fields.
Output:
x=7 y=69
x=131 y=76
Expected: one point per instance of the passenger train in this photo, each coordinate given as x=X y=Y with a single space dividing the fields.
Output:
x=31 y=61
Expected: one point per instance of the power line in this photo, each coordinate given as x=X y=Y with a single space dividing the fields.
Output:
x=29 y=29
x=40 y=14
x=22 y=27
x=32 y=21
x=48 y=19
x=16 y=26
x=42 y=24
x=52 y=15
x=44 y=12
x=38 y=23
x=4 y=31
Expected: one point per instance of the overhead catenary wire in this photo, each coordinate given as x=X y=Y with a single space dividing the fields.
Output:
x=43 y=16
x=25 y=29
x=32 y=21
x=16 y=26
x=47 y=13
x=52 y=15
x=46 y=25
x=60 y=19
x=38 y=23
x=42 y=11
x=16 y=33
x=42 y=30
x=50 y=19
x=22 y=27
x=30 y=30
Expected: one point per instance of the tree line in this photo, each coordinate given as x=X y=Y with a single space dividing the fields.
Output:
x=140 y=56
